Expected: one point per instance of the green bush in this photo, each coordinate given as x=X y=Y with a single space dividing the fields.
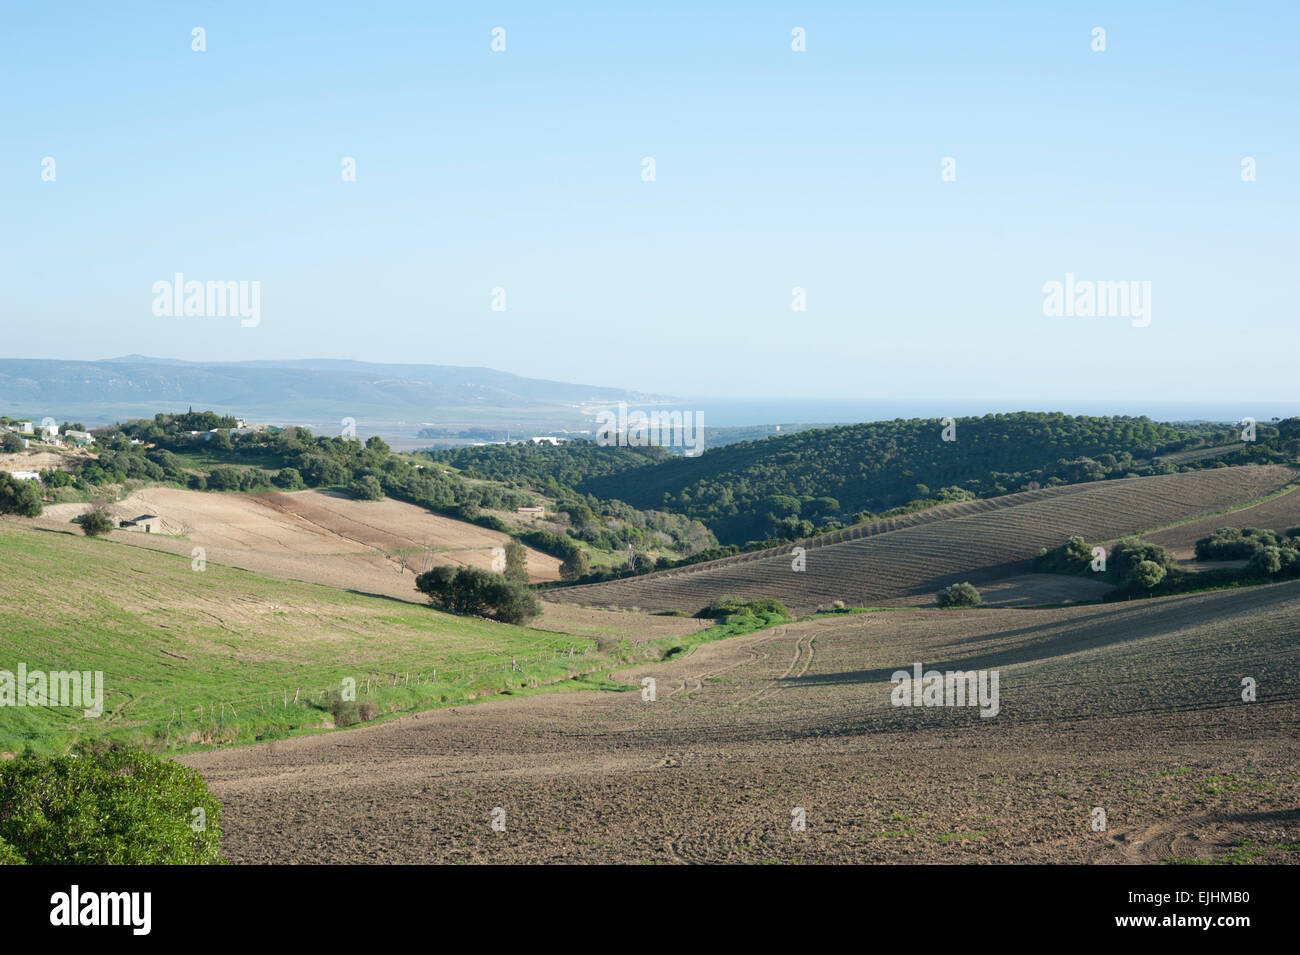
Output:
x=730 y=606
x=1266 y=561
x=1233 y=543
x=106 y=805
x=1146 y=574
x=575 y=565
x=1129 y=552
x=959 y=595
x=366 y=488
x=19 y=497
x=288 y=478
x=9 y=855
x=96 y=523
x=471 y=591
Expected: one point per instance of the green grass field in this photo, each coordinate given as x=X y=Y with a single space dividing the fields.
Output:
x=220 y=656
x=196 y=657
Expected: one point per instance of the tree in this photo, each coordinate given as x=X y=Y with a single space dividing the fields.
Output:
x=516 y=562
x=103 y=805
x=1266 y=561
x=19 y=497
x=471 y=591
x=288 y=478
x=1146 y=574
x=959 y=595
x=575 y=565
x=366 y=488
x=10 y=443
x=224 y=479
x=97 y=523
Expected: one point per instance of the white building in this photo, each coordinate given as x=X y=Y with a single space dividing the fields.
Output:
x=26 y=475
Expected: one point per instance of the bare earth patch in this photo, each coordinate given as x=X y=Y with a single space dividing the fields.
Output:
x=370 y=546
x=1132 y=708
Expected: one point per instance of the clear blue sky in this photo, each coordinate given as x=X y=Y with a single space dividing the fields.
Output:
x=775 y=169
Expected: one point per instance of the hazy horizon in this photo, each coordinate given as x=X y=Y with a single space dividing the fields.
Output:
x=823 y=169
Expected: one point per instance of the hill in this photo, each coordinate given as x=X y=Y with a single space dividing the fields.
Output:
x=762 y=489
x=375 y=547
x=915 y=555
x=223 y=655
x=317 y=392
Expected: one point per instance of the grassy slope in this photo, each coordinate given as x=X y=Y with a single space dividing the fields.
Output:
x=223 y=648
x=170 y=640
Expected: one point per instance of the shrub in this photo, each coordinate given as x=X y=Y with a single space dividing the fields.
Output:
x=19 y=497
x=9 y=855
x=10 y=443
x=1129 y=552
x=96 y=523
x=471 y=591
x=224 y=479
x=366 y=488
x=106 y=805
x=1232 y=543
x=288 y=478
x=1266 y=561
x=516 y=562
x=1146 y=574
x=959 y=595
x=729 y=606
x=575 y=565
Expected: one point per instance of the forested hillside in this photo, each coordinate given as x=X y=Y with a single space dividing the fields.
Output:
x=787 y=486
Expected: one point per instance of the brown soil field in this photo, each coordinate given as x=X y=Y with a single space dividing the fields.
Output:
x=1134 y=709
x=916 y=555
x=1275 y=514
x=373 y=547
x=38 y=458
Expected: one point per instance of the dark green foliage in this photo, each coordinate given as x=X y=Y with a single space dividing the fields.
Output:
x=959 y=595
x=19 y=497
x=288 y=478
x=1145 y=574
x=10 y=443
x=224 y=479
x=744 y=491
x=96 y=523
x=106 y=805
x=1233 y=543
x=553 y=544
x=1129 y=552
x=725 y=607
x=575 y=565
x=1267 y=561
x=516 y=562
x=1072 y=557
x=366 y=488
x=470 y=591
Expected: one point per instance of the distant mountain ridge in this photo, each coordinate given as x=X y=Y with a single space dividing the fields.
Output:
x=317 y=389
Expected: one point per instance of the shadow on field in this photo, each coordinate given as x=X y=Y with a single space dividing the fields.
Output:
x=1102 y=629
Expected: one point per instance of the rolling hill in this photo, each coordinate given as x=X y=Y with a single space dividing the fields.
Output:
x=911 y=557
x=308 y=391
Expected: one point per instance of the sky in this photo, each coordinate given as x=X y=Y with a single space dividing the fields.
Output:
x=775 y=169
